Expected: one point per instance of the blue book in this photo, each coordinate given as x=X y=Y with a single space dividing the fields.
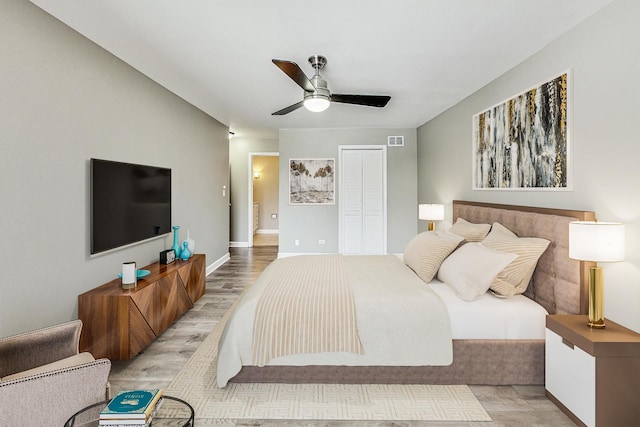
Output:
x=132 y=404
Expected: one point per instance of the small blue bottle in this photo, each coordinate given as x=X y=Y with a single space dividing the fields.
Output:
x=176 y=245
x=186 y=253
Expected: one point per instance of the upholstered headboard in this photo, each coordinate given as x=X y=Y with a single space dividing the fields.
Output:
x=559 y=284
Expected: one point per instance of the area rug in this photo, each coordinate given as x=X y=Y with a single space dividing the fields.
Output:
x=196 y=383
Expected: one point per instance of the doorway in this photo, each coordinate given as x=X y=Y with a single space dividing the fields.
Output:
x=263 y=199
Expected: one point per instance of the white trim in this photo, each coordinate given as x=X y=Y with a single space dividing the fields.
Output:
x=267 y=231
x=251 y=155
x=290 y=254
x=341 y=149
x=238 y=244
x=218 y=263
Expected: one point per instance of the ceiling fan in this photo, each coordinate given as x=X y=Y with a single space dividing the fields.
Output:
x=317 y=96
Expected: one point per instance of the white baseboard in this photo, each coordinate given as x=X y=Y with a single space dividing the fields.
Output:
x=238 y=244
x=288 y=254
x=217 y=263
x=267 y=231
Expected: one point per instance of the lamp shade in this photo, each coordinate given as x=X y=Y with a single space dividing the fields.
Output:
x=596 y=241
x=431 y=212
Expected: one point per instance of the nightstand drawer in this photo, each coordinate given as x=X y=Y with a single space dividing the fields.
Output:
x=570 y=376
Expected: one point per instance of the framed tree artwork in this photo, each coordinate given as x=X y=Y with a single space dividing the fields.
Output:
x=312 y=182
x=523 y=143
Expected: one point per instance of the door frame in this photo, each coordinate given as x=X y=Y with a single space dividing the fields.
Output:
x=250 y=191
x=341 y=150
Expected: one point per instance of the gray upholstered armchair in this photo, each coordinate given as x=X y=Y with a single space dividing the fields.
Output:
x=44 y=379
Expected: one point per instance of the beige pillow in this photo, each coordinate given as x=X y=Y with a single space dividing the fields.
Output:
x=470 y=231
x=470 y=270
x=426 y=251
x=515 y=277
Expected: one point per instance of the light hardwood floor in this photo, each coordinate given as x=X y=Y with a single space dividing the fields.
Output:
x=508 y=406
x=261 y=239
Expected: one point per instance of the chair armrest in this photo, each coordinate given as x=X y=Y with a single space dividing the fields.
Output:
x=35 y=348
x=52 y=398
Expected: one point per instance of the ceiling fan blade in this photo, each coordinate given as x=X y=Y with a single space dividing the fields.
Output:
x=292 y=70
x=370 y=100
x=289 y=109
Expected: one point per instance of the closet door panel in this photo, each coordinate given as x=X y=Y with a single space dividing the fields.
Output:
x=372 y=202
x=363 y=201
x=352 y=202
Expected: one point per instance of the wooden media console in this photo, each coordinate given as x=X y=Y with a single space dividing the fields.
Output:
x=119 y=323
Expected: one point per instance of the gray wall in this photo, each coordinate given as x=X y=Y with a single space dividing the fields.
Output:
x=312 y=223
x=64 y=100
x=604 y=55
x=239 y=149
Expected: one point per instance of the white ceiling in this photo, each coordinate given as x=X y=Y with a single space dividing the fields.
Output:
x=426 y=54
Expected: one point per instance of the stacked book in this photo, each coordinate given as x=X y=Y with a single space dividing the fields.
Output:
x=131 y=408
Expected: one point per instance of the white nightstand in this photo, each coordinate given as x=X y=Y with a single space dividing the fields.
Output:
x=593 y=375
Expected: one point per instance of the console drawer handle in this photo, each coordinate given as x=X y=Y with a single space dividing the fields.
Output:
x=567 y=343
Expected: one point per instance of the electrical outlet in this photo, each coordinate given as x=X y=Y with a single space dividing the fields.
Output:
x=297 y=242
x=274 y=216
x=321 y=242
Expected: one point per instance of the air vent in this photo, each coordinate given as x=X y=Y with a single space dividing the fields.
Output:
x=395 y=141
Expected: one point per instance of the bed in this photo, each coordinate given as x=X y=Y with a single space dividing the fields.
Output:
x=558 y=285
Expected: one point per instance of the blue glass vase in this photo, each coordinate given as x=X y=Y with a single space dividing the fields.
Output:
x=176 y=241
x=186 y=253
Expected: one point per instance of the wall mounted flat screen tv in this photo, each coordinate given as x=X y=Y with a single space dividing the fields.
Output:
x=129 y=203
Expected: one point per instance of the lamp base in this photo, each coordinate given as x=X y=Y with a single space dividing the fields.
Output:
x=596 y=298
x=596 y=325
x=431 y=226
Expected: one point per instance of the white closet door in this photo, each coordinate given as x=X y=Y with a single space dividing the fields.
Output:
x=372 y=202
x=351 y=199
x=362 y=199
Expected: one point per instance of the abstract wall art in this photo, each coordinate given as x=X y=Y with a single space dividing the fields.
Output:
x=312 y=182
x=523 y=143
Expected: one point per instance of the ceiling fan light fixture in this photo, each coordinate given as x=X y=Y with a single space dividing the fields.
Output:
x=316 y=102
x=317 y=96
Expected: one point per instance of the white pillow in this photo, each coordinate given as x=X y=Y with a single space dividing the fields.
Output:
x=426 y=251
x=471 y=269
x=470 y=231
x=515 y=277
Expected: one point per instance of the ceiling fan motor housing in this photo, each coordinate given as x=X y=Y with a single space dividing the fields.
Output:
x=321 y=87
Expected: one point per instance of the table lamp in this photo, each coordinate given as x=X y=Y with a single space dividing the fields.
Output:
x=599 y=242
x=431 y=213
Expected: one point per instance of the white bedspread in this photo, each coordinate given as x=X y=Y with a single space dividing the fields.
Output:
x=490 y=317
x=401 y=321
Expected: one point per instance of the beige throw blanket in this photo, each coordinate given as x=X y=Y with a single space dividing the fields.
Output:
x=307 y=307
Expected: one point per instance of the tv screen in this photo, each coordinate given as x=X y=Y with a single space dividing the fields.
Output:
x=129 y=203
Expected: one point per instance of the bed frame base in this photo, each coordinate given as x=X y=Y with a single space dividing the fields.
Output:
x=490 y=362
